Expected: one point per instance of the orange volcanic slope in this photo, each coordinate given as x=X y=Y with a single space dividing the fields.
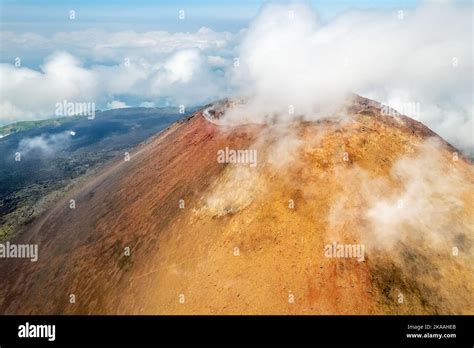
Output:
x=253 y=240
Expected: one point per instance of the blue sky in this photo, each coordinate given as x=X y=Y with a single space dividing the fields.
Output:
x=49 y=16
x=139 y=53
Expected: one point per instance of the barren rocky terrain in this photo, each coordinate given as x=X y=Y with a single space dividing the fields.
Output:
x=211 y=238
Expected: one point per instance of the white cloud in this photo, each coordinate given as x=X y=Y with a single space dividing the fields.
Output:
x=99 y=45
x=116 y=104
x=147 y=104
x=45 y=144
x=217 y=61
x=288 y=58
x=168 y=68
x=30 y=94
